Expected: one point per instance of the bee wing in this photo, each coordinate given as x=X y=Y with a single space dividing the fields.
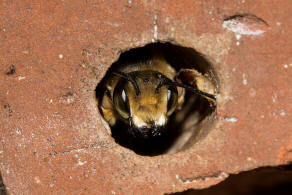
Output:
x=196 y=79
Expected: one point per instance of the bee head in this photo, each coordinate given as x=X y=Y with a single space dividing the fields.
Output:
x=144 y=101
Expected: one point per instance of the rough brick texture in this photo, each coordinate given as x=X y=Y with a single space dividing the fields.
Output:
x=54 y=53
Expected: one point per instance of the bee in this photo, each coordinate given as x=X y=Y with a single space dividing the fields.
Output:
x=143 y=95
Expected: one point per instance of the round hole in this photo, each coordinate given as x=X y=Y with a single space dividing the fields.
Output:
x=185 y=126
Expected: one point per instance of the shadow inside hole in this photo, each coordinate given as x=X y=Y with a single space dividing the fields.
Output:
x=266 y=180
x=185 y=125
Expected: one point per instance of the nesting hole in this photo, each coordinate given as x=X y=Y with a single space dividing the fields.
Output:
x=186 y=126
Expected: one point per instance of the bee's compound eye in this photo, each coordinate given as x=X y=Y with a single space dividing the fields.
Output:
x=124 y=96
x=121 y=102
x=171 y=100
x=168 y=94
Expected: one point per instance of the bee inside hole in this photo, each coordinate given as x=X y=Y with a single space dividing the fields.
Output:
x=159 y=99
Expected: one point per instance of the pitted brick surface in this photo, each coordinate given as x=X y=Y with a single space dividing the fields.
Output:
x=52 y=136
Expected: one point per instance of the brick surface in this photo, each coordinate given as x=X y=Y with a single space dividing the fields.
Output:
x=52 y=136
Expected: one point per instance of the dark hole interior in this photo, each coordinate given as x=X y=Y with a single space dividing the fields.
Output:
x=185 y=126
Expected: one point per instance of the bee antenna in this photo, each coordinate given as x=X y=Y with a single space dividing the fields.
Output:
x=128 y=78
x=192 y=88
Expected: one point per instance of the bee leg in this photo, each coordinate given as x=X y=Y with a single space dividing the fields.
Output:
x=199 y=81
x=107 y=108
x=181 y=97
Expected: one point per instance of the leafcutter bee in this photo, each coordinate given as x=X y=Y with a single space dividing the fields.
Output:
x=143 y=95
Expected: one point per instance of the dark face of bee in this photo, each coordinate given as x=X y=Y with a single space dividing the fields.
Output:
x=146 y=106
